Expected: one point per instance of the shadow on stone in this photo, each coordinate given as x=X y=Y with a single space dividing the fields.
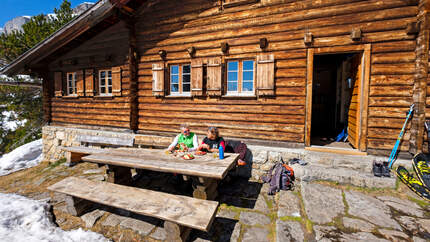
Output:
x=239 y=192
x=223 y=229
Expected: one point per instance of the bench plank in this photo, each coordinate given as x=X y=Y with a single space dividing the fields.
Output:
x=105 y=140
x=82 y=150
x=186 y=211
x=158 y=160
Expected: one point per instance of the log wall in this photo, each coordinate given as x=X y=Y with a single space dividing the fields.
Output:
x=175 y=25
x=105 y=50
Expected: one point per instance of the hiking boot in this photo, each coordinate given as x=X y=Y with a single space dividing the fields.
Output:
x=377 y=169
x=385 y=170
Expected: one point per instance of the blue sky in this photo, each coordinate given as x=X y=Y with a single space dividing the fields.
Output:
x=13 y=8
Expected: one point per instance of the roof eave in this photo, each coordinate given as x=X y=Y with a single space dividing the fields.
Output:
x=60 y=38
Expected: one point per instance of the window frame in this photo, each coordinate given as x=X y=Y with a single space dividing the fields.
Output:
x=106 y=86
x=74 y=87
x=240 y=81
x=180 y=83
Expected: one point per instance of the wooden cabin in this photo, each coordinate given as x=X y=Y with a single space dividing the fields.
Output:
x=291 y=73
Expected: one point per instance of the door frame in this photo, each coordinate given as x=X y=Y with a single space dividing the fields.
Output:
x=364 y=97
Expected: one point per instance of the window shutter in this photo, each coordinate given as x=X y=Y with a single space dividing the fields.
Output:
x=197 y=77
x=80 y=83
x=214 y=75
x=266 y=75
x=58 y=83
x=158 y=79
x=116 y=81
x=89 y=82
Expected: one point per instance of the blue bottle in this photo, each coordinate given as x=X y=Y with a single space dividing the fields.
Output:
x=221 y=152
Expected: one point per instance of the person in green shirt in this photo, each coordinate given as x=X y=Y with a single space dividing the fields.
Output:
x=187 y=140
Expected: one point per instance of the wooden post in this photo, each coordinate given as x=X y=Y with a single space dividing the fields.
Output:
x=420 y=82
x=133 y=67
x=205 y=188
x=176 y=232
x=73 y=158
x=47 y=89
x=119 y=175
x=309 y=83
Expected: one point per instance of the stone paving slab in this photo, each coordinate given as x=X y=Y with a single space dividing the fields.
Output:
x=357 y=224
x=254 y=234
x=289 y=231
x=402 y=205
x=322 y=203
x=288 y=205
x=91 y=218
x=370 y=209
x=251 y=218
x=142 y=227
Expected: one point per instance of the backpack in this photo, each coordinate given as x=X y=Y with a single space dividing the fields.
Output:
x=281 y=177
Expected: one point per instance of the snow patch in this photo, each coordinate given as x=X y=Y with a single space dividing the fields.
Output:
x=23 y=219
x=23 y=157
x=9 y=123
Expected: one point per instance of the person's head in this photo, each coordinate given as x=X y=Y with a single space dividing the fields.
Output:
x=185 y=129
x=213 y=133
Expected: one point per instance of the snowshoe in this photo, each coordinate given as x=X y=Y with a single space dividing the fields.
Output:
x=413 y=184
x=422 y=169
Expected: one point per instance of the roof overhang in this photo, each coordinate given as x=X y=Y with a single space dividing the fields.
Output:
x=94 y=15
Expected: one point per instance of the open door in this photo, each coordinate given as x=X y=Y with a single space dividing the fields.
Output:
x=354 y=119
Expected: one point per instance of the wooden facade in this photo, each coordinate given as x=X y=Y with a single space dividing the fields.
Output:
x=143 y=39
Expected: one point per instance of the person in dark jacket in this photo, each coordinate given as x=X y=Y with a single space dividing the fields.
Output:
x=212 y=141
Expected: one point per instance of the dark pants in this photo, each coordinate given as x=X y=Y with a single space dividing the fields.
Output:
x=238 y=147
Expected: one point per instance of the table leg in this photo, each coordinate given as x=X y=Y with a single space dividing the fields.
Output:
x=176 y=232
x=205 y=188
x=119 y=175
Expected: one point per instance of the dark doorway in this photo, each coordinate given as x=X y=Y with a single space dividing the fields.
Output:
x=335 y=99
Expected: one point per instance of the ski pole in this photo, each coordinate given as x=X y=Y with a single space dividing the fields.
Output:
x=393 y=155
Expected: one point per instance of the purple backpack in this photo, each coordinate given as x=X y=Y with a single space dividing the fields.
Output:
x=280 y=178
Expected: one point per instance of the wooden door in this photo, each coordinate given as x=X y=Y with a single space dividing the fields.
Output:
x=354 y=117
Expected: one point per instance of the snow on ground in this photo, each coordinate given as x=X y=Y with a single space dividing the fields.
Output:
x=23 y=157
x=9 y=123
x=23 y=219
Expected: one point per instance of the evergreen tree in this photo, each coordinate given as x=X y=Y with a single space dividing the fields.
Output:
x=23 y=105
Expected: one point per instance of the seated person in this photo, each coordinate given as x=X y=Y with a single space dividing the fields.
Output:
x=187 y=140
x=212 y=142
x=234 y=146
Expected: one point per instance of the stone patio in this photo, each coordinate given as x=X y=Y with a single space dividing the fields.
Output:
x=313 y=211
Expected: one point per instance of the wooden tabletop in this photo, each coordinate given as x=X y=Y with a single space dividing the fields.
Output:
x=206 y=166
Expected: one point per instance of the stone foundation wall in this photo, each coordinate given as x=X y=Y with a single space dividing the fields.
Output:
x=260 y=158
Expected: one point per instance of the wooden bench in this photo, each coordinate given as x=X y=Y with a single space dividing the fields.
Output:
x=74 y=154
x=180 y=213
x=106 y=140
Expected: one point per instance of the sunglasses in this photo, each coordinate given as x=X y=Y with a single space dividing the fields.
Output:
x=186 y=131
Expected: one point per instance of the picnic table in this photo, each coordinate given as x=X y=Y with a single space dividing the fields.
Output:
x=206 y=171
x=180 y=213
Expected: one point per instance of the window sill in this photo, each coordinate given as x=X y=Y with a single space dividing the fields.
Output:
x=187 y=95
x=244 y=95
x=104 y=97
x=71 y=96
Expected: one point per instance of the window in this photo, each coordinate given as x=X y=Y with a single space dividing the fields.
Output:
x=105 y=82
x=180 y=79
x=71 y=83
x=240 y=77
